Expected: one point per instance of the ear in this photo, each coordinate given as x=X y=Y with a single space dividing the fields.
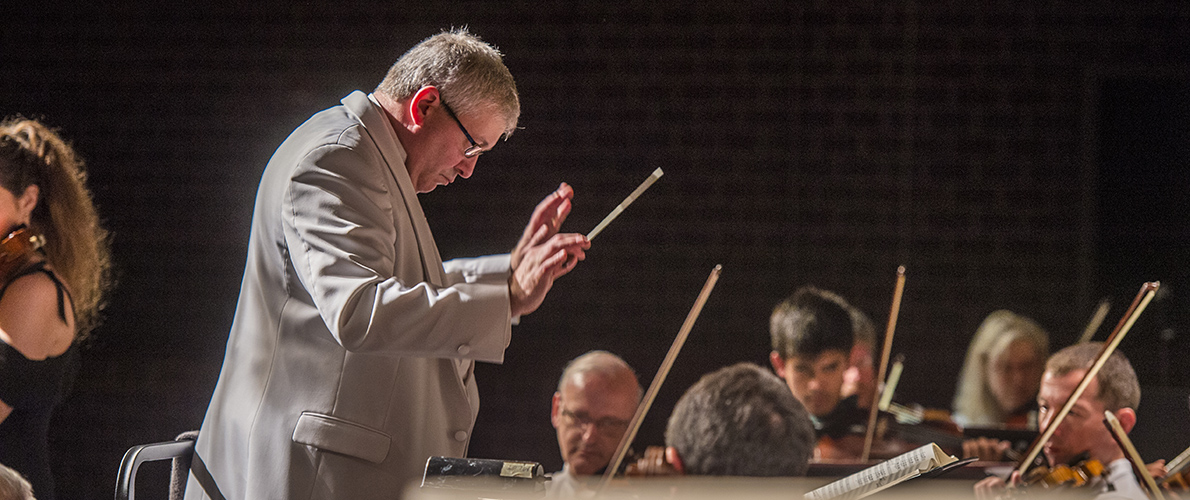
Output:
x=554 y=409
x=671 y=456
x=1127 y=418
x=421 y=102
x=778 y=364
x=28 y=201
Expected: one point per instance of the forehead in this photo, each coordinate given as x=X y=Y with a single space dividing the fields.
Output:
x=486 y=124
x=597 y=387
x=1017 y=350
x=823 y=359
x=1056 y=389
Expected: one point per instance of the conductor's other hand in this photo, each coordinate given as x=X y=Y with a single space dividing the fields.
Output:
x=542 y=255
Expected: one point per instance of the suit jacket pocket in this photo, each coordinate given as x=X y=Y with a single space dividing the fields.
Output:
x=337 y=435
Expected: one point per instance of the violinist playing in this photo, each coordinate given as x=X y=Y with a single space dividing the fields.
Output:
x=50 y=297
x=1082 y=435
x=812 y=339
x=596 y=398
x=998 y=384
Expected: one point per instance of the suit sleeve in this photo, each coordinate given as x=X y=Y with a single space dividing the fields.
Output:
x=344 y=245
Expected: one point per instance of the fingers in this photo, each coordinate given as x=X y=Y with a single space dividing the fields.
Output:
x=554 y=208
x=989 y=488
x=546 y=220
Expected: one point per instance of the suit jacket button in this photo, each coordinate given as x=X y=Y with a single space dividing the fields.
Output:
x=460 y=435
x=464 y=349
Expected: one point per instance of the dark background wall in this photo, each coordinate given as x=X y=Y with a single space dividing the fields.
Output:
x=1028 y=155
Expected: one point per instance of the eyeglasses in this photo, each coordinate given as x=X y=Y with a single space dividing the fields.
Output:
x=584 y=421
x=475 y=149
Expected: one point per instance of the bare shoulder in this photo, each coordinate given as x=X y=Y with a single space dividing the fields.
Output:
x=29 y=320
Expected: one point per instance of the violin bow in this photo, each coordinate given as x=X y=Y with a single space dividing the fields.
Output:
x=658 y=379
x=890 y=387
x=1138 y=305
x=888 y=338
x=1096 y=321
x=1176 y=467
x=1118 y=432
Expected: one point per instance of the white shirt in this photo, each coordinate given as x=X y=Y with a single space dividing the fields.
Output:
x=1121 y=483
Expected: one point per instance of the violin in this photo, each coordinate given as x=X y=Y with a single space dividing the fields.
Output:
x=1065 y=476
x=17 y=249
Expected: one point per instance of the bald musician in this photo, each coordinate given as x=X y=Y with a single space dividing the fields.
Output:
x=1114 y=388
x=739 y=421
x=595 y=401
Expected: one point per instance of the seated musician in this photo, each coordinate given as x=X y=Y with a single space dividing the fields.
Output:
x=860 y=378
x=998 y=384
x=596 y=399
x=739 y=421
x=1083 y=433
x=812 y=338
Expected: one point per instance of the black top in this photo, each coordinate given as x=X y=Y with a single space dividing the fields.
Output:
x=846 y=419
x=33 y=389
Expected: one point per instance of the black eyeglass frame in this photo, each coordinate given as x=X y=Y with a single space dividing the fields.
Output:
x=475 y=149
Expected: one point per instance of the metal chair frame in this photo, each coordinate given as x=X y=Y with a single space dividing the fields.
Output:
x=139 y=454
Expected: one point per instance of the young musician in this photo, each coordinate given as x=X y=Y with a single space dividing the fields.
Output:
x=1082 y=433
x=812 y=338
x=50 y=301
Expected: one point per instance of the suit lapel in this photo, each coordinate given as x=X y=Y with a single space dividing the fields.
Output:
x=381 y=132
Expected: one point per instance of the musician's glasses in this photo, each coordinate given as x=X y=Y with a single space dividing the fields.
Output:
x=584 y=422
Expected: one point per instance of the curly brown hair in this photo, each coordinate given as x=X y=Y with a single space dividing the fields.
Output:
x=76 y=245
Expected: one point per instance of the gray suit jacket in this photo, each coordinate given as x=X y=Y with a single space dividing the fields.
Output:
x=350 y=357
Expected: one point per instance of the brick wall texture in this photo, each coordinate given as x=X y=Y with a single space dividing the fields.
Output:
x=815 y=142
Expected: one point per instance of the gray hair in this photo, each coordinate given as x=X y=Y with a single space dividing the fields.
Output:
x=13 y=486
x=741 y=421
x=973 y=399
x=602 y=362
x=468 y=73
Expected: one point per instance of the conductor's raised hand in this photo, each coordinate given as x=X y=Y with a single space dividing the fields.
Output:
x=543 y=255
x=549 y=214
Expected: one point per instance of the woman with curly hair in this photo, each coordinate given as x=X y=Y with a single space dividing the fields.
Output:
x=51 y=294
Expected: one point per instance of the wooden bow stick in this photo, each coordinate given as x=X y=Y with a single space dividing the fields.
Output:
x=888 y=338
x=662 y=372
x=1096 y=321
x=1121 y=436
x=1138 y=305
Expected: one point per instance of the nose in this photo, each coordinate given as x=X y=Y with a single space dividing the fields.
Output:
x=466 y=167
x=1044 y=422
x=813 y=384
x=589 y=432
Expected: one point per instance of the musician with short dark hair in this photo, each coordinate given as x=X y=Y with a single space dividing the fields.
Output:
x=739 y=421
